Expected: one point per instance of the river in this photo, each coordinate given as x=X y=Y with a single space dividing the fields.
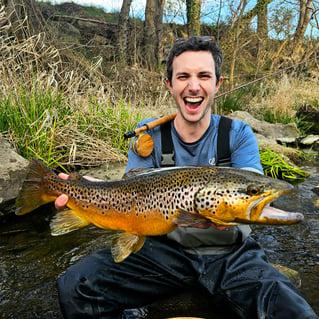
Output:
x=31 y=259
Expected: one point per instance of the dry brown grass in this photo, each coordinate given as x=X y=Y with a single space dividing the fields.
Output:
x=29 y=63
x=85 y=135
x=286 y=95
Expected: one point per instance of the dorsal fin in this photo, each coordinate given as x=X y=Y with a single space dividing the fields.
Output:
x=137 y=171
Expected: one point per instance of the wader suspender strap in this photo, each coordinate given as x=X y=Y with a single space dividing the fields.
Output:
x=167 y=156
x=223 y=151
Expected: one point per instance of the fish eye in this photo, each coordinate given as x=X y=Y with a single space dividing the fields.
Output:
x=254 y=190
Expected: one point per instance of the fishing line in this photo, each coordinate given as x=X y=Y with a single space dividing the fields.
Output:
x=143 y=144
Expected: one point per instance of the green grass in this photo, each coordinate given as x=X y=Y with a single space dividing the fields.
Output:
x=233 y=101
x=275 y=166
x=47 y=126
x=31 y=119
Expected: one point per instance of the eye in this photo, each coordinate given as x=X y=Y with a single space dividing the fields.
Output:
x=205 y=76
x=254 y=190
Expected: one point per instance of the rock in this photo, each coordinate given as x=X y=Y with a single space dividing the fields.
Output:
x=287 y=140
x=310 y=115
x=292 y=274
x=316 y=190
x=290 y=155
x=13 y=169
x=275 y=131
x=312 y=141
x=271 y=136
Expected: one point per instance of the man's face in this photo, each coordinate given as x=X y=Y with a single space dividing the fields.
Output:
x=194 y=84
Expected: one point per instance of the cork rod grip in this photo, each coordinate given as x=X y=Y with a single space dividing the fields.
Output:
x=150 y=125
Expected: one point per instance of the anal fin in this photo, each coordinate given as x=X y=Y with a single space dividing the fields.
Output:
x=123 y=244
x=65 y=222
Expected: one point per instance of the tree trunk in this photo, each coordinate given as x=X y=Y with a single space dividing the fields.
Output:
x=262 y=23
x=153 y=31
x=233 y=44
x=262 y=34
x=123 y=29
x=236 y=33
x=193 y=8
x=304 y=17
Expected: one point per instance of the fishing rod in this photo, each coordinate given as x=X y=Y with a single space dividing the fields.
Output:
x=143 y=144
x=266 y=76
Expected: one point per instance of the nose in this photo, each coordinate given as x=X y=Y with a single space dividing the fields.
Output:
x=193 y=85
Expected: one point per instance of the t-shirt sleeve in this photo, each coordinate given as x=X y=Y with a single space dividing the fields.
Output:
x=135 y=160
x=244 y=147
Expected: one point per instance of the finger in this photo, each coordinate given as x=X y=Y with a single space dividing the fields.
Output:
x=63 y=176
x=61 y=201
x=92 y=179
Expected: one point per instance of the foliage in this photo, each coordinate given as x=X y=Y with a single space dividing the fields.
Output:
x=233 y=101
x=275 y=166
x=46 y=126
x=31 y=120
x=70 y=110
x=281 y=22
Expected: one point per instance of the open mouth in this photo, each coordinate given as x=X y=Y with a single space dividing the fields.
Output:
x=262 y=213
x=276 y=216
x=193 y=103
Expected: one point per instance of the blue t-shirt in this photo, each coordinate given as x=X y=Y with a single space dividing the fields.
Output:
x=244 y=154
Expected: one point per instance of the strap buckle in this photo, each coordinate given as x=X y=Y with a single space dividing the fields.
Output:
x=167 y=159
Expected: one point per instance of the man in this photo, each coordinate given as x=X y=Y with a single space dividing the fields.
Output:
x=227 y=263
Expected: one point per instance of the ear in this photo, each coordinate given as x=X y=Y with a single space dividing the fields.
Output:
x=219 y=83
x=168 y=85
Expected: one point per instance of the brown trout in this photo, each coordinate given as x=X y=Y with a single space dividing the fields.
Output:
x=150 y=202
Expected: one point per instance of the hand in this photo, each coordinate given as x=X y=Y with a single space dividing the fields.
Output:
x=62 y=200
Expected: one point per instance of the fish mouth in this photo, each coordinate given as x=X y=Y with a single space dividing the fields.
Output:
x=262 y=213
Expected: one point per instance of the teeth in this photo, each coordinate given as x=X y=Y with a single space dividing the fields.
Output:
x=193 y=99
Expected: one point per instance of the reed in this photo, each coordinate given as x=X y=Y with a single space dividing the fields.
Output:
x=67 y=114
x=275 y=166
x=70 y=111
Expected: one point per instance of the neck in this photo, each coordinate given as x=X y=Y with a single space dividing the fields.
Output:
x=191 y=132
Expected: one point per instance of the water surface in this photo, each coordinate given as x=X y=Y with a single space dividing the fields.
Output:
x=31 y=259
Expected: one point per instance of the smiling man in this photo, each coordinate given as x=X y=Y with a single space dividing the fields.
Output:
x=227 y=263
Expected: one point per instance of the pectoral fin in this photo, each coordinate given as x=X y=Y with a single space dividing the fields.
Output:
x=186 y=219
x=66 y=222
x=123 y=244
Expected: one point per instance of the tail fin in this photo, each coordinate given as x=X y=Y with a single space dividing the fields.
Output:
x=30 y=197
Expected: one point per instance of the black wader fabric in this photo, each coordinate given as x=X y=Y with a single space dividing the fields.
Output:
x=96 y=287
